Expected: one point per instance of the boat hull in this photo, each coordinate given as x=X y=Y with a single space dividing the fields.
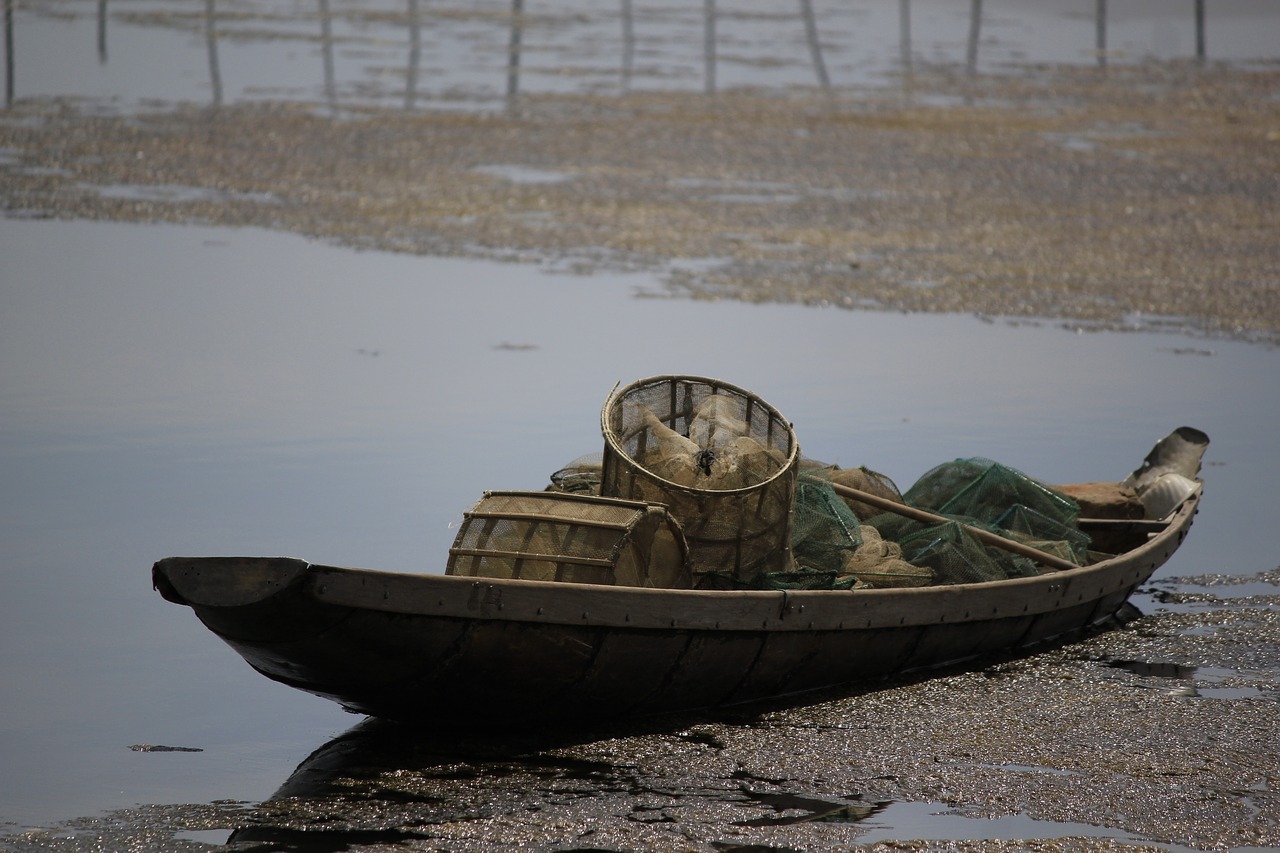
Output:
x=436 y=648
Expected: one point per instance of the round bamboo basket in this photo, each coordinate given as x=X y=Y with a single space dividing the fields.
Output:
x=721 y=459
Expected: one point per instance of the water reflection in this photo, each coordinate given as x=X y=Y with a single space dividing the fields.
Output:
x=371 y=748
x=374 y=53
x=382 y=782
x=378 y=781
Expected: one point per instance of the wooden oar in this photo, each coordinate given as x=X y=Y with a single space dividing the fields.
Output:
x=982 y=535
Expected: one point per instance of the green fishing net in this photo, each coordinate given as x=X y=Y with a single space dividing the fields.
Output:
x=824 y=532
x=985 y=490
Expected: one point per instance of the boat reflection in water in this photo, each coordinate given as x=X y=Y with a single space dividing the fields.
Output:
x=385 y=783
x=379 y=779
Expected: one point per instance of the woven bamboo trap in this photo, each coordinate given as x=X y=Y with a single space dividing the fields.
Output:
x=721 y=459
x=568 y=537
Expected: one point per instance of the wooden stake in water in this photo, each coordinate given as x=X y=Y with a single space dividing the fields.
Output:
x=513 y=49
x=8 y=53
x=709 y=43
x=628 y=44
x=975 y=33
x=211 y=46
x=815 y=47
x=1100 y=43
x=102 y=32
x=1200 y=30
x=326 y=52
x=415 y=57
x=904 y=34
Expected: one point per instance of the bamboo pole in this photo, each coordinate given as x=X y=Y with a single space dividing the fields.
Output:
x=8 y=53
x=709 y=44
x=1100 y=32
x=415 y=57
x=984 y=536
x=815 y=45
x=975 y=35
x=1199 y=14
x=102 y=32
x=211 y=47
x=904 y=34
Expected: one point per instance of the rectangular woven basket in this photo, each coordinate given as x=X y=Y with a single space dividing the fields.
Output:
x=554 y=536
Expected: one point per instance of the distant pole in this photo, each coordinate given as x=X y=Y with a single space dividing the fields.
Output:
x=211 y=44
x=1200 y=30
x=513 y=48
x=415 y=57
x=628 y=45
x=1100 y=43
x=326 y=54
x=102 y=31
x=975 y=32
x=904 y=33
x=709 y=43
x=815 y=47
x=8 y=53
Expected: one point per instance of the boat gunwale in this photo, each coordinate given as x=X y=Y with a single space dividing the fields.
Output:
x=595 y=605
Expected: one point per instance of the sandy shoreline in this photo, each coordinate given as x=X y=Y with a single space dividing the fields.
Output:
x=1131 y=198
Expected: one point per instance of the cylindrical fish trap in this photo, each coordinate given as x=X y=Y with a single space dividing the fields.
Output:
x=552 y=536
x=723 y=461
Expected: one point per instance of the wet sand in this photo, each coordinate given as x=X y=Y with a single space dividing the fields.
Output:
x=1132 y=197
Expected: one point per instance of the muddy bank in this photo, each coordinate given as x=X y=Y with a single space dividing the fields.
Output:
x=1158 y=734
x=1119 y=198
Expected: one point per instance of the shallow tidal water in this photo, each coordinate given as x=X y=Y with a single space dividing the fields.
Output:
x=181 y=389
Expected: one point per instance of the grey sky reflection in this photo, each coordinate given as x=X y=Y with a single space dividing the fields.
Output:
x=248 y=342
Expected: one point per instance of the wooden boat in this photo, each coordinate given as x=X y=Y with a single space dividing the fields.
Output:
x=465 y=649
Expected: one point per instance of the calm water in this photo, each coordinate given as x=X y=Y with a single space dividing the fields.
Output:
x=181 y=390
